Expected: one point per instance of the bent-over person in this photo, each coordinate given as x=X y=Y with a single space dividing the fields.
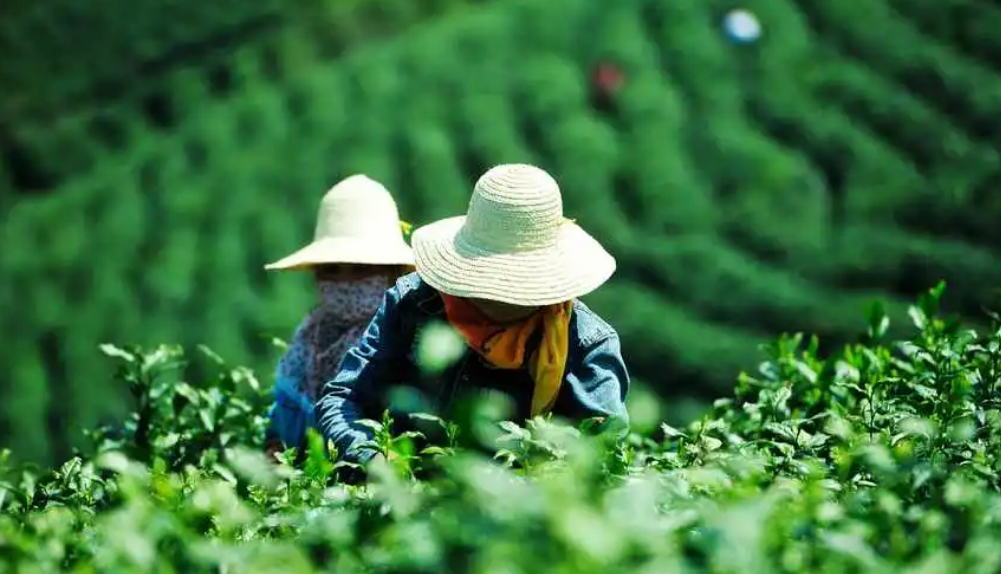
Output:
x=507 y=277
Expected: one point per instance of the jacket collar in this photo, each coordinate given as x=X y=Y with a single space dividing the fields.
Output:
x=430 y=303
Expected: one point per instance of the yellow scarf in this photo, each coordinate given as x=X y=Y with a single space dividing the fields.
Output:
x=503 y=345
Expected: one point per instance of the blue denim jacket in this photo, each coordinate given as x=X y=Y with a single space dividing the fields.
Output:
x=595 y=381
x=292 y=412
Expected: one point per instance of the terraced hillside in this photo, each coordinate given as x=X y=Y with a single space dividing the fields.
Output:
x=745 y=188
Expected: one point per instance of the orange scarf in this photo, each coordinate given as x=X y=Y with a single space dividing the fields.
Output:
x=503 y=345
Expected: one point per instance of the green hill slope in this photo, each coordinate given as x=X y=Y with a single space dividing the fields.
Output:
x=745 y=189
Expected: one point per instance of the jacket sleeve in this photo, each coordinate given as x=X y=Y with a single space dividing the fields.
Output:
x=289 y=412
x=596 y=384
x=367 y=368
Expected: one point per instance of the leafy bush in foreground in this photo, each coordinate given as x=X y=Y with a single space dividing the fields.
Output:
x=883 y=458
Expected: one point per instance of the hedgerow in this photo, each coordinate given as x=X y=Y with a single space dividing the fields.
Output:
x=882 y=457
x=116 y=43
x=745 y=189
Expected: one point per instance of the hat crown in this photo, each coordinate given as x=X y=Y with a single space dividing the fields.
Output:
x=514 y=208
x=359 y=207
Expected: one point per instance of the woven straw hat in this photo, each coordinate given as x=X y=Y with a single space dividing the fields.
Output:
x=358 y=222
x=513 y=245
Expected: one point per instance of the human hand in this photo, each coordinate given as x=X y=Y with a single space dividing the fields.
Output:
x=272 y=449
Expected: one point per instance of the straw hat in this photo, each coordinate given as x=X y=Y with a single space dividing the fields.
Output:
x=358 y=222
x=513 y=245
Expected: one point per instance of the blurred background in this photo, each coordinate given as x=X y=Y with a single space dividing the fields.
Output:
x=757 y=167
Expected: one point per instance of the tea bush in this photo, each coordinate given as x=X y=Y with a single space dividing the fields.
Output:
x=121 y=49
x=882 y=457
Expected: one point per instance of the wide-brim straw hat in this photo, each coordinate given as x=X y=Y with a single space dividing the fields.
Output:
x=513 y=245
x=358 y=222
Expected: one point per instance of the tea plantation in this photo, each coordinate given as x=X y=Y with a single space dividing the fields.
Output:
x=882 y=458
x=746 y=189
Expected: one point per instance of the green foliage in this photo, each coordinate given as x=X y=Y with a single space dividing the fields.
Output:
x=114 y=42
x=880 y=458
x=745 y=190
x=110 y=41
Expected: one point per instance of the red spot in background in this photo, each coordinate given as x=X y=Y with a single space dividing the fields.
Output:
x=608 y=79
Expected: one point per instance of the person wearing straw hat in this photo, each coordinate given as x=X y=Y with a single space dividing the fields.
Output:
x=507 y=277
x=358 y=252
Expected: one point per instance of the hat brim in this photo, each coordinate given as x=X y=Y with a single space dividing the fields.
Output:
x=345 y=250
x=576 y=265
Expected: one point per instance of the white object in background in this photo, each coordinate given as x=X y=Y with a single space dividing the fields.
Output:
x=742 y=26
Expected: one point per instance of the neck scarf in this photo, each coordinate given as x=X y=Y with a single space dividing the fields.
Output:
x=504 y=345
x=330 y=329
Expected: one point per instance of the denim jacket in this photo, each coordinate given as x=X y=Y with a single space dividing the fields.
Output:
x=290 y=414
x=291 y=411
x=595 y=380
